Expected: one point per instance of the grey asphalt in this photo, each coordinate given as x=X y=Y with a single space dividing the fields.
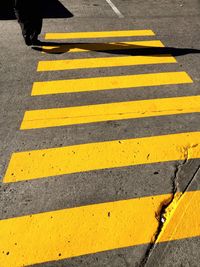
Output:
x=177 y=24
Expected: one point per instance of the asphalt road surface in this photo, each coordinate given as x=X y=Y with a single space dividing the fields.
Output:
x=100 y=136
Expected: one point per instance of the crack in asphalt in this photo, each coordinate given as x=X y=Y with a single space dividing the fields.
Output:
x=191 y=180
x=168 y=206
x=97 y=115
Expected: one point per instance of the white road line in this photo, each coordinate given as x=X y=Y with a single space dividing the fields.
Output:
x=115 y=9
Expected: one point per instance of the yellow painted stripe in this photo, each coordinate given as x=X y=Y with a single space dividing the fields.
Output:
x=90 y=229
x=184 y=219
x=87 y=157
x=83 y=230
x=80 y=47
x=103 y=62
x=106 y=112
x=108 y=83
x=105 y=34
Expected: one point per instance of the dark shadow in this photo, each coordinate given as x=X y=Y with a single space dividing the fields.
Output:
x=116 y=49
x=54 y=9
x=49 y=8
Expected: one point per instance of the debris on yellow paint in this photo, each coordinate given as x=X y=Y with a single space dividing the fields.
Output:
x=171 y=208
x=111 y=154
x=182 y=218
x=78 y=231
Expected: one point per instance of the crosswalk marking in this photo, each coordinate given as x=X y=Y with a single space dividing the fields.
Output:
x=95 y=228
x=77 y=231
x=59 y=234
x=83 y=63
x=114 y=111
x=108 y=83
x=183 y=220
x=102 y=34
x=84 y=47
x=95 y=156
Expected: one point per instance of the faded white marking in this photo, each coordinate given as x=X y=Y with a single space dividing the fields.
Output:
x=115 y=9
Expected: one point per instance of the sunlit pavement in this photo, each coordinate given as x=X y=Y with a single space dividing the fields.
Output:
x=100 y=137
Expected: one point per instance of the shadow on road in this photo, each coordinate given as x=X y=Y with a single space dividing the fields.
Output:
x=116 y=48
x=49 y=8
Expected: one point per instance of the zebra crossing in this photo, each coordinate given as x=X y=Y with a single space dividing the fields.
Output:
x=72 y=232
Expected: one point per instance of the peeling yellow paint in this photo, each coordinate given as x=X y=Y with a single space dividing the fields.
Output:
x=171 y=208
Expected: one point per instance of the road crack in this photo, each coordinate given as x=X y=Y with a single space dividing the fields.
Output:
x=169 y=206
